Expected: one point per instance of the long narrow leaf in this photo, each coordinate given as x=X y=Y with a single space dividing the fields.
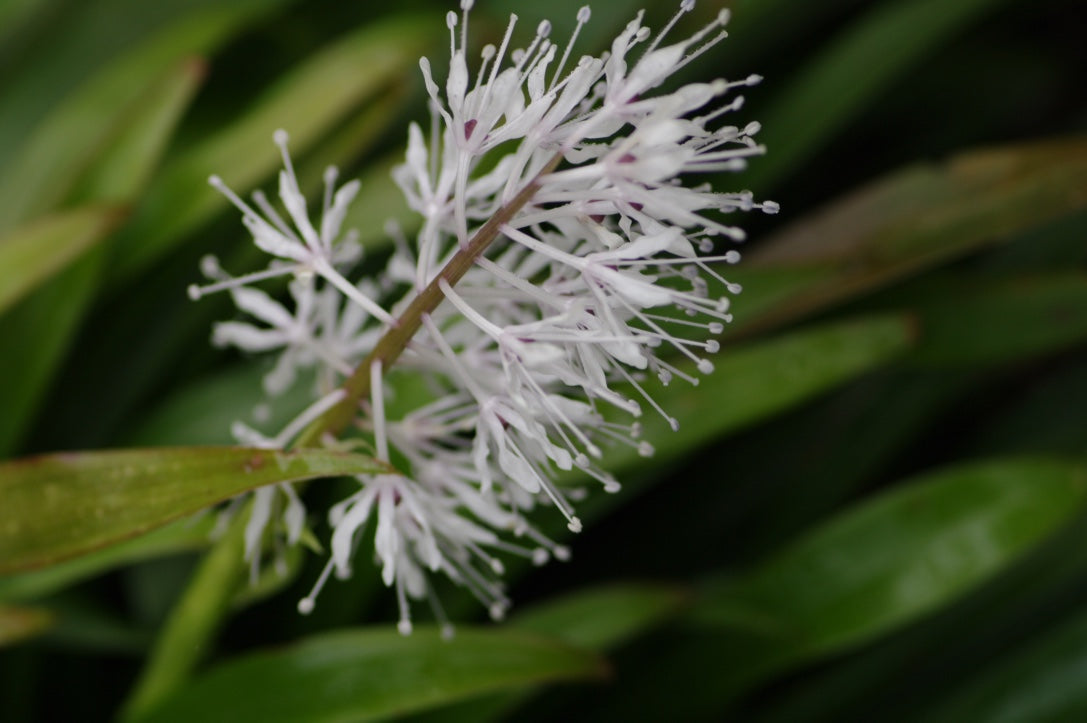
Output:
x=31 y=254
x=907 y=221
x=307 y=103
x=77 y=133
x=858 y=66
x=57 y=506
x=366 y=675
x=20 y=623
x=47 y=320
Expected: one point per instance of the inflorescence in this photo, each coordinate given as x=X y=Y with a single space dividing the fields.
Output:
x=560 y=264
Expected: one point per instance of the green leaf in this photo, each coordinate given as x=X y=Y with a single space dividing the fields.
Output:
x=899 y=555
x=79 y=132
x=856 y=68
x=138 y=141
x=603 y=617
x=1045 y=682
x=34 y=252
x=20 y=623
x=913 y=219
x=125 y=153
x=180 y=536
x=1001 y=322
x=203 y=411
x=760 y=379
x=61 y=505
x=597 y=619
x=369 y=674
x=907 y=552
x=308 y=102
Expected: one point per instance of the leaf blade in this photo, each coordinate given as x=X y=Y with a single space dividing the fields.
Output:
x=32 y=253
x=369 y=674
x=81 y=501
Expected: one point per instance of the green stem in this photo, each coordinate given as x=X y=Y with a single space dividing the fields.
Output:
x=192 y=624
x=393 y=342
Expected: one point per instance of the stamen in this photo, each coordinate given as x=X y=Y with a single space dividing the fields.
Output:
x=684 y=7
x=196 y=292
x=583 y=16
x=309 y=602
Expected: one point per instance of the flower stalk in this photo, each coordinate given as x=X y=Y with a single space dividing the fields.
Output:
x=400 y=333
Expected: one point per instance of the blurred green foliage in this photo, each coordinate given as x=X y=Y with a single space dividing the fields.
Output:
x=873 y=510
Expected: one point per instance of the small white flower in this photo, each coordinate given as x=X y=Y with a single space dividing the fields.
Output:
x=306 y=250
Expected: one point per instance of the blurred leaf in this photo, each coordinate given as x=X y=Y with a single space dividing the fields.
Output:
x=187 y=634
x=308 y=102
x=900 y=555
x=176 y=537
x=364 y=675
x=85 y=500
x=597 y=619
x=202 y=412
x=20 y=623
x=17 y=20
x=1045 y=682
x=128 y=148
x=44 y=323
x=32 y=253
x=972 y=636
x=78 y=133
x=799 y=469
x=760 y=379
x=1047 y=415
x=859 y=65
x=602 y=617
x=871 y=570
x=271 y=578
x=138 y=141
x=1001 y=322
x=88 y=625
x=909 y=220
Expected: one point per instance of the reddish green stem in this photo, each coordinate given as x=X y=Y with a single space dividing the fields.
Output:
x=392 y=344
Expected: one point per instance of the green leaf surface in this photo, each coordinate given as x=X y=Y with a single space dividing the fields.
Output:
x=597 y=619
x=188 y=633
x=180 y=536
x=858 y=66
x=912 y=219
x=365 y=675
x=76 y=135
x=1045 y=682
x=19 y=623
x=202 y=412
x=81 y=501
x=759 y=379
x=44 y=322
x=34 y=252
x=900 y=555
x=1001 y=322
x=136 y=144
x=871 y=570
x=307 y=102
x=603 y=617
x=127 y=149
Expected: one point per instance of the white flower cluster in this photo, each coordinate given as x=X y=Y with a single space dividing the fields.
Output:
x=558 y=254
